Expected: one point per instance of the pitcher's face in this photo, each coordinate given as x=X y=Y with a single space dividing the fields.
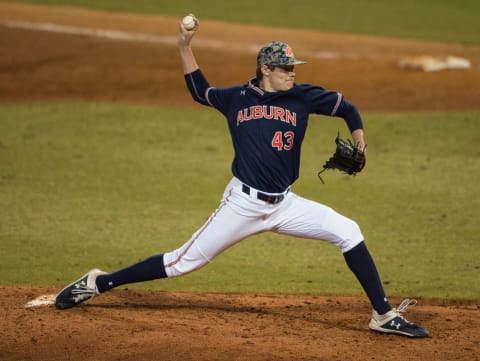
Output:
x=281 y=78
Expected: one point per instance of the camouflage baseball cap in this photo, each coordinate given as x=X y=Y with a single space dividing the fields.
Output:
x=277 y=53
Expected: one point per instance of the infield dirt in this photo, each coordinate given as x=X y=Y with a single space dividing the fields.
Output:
x=138 y=63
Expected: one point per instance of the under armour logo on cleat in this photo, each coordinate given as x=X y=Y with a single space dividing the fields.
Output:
x=80 y=284
x=396 y=325
x=242 y=92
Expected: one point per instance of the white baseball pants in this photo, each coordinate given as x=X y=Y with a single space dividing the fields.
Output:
x=240 y=215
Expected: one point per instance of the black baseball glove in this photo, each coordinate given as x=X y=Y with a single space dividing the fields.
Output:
x=347 y=158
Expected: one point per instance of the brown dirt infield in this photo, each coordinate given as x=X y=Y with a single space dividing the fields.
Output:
x=151 y=325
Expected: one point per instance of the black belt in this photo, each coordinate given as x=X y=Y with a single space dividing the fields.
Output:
x=266 y=197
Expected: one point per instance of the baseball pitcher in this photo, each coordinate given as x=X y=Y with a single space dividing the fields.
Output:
x=267 y=118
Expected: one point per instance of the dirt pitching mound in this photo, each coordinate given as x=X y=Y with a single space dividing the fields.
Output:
x=152 y=325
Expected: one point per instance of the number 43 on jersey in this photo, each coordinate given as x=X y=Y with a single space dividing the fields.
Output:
x=283 y=141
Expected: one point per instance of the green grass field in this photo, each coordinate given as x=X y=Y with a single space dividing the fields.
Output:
x=85 y=184
x=437 y=20
x=96 y=185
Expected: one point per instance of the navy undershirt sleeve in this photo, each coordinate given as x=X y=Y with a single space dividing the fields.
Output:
x=197 y=84
x=349 y=112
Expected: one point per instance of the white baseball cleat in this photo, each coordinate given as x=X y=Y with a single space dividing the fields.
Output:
x=79 y=291
x=394 y=322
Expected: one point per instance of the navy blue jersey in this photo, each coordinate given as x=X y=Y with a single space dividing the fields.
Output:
x=268 y=128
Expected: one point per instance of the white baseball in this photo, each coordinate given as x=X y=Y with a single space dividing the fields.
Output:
x=189 y=22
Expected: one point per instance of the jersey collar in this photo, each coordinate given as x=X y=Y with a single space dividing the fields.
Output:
x=253 y=84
